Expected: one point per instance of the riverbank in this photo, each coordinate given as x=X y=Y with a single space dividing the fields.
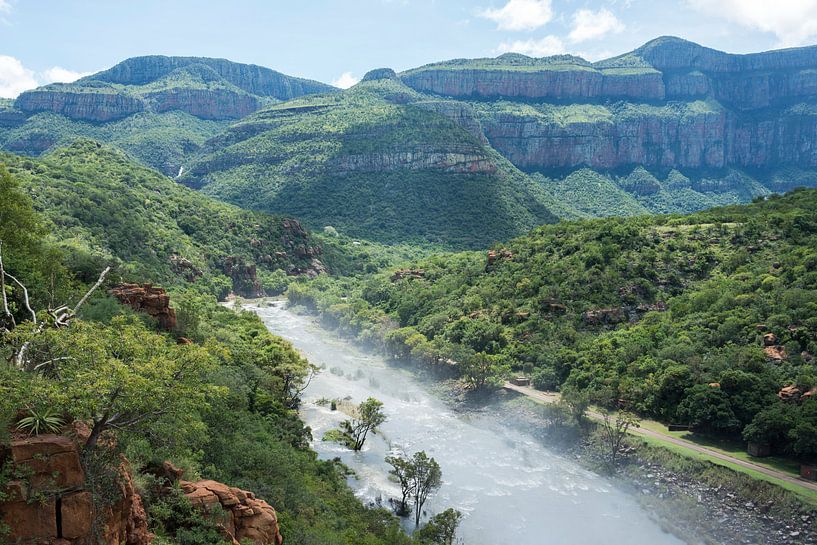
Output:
x=689 y=497
x=699 y=501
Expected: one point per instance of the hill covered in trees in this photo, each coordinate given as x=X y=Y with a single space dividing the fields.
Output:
x=699 y=319
x=104 y=208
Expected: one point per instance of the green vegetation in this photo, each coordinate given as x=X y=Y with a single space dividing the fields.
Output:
x=103 y=208
x=667 y=314
x=373 y=165
x=223 y=407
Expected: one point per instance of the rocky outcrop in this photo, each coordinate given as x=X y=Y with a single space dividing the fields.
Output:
x=565 y=82
x=401 y=274
x=245 y=516
x=604 y=316
x=415 y=159
x=216 y=104
x=53 y=504
x=243 y=275
x=148 y=299
x=87 y=106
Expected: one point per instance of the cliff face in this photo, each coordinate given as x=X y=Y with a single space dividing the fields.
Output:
x=89 y=106
x=211 y=89
x=54 y=504
x=668 y=104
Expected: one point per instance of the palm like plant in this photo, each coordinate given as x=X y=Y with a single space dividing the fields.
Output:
x=40 y=422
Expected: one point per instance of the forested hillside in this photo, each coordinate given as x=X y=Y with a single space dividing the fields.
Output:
x=104 y=208
x=374 y=162
x=216 y=396
x=697 y=319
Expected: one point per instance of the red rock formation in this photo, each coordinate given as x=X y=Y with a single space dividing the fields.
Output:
x=64 y=511
x=247 y=517
x=496 y=255
x=790 y=393
x=776 y=353
x=148 y=299
x=769 y=339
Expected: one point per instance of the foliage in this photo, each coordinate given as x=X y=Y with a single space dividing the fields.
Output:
x=647 y=310
x=37 y=422
x=366 y=417
x=440 y=530
x=103 y=208
x=614 y=429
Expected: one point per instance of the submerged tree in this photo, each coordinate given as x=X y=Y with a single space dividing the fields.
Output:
x=365 y=418
x=426 y=477
x=419 y=477
x=441 y=529
x=402 y=470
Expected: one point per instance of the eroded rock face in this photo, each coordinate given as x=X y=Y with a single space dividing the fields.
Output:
x=246 y=517
x=52 y=503
x=206 y=103
x=148 y=299
x=88 y=106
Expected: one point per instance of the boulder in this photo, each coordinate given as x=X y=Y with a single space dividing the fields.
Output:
x=790 y=393
x=247 y=517
x=401 y=274
x=769 y=339
x=775 y=353
x=148 y=299
x=604 y=316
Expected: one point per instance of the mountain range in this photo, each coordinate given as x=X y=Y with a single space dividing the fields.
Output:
x=461 y=152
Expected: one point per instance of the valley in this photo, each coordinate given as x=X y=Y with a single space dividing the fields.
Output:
x=542 y=293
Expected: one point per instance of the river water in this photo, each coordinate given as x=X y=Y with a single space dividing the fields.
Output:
x=511 y=488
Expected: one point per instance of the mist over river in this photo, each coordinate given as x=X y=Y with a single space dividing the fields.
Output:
x=510 y=487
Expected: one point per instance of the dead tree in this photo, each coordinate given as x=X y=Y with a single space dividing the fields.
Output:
x=59 y=317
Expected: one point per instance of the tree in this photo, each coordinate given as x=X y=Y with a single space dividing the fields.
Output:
x=613 y=432
x=366 y=417
x=484 y=370
x=119 y=377
x=403 y=471
x=441 y=529
x=707 y=408
x=426 y=477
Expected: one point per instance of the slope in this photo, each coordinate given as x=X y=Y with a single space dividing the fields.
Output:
x=107 y=209
x=158 y=108
x=376 y=161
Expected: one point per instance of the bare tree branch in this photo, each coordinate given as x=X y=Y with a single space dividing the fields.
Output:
x=93 y=288
x=3 y=288
x=25 y=296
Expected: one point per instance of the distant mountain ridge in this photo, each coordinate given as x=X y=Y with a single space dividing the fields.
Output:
x=160 y=109
x=464 y=151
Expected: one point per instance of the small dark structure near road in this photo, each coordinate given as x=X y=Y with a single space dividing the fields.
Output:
x=678 y=427
x=520 y=381
x=759 y=450
x=808 y=472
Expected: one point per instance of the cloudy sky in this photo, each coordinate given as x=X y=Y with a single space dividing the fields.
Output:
x=337 y=41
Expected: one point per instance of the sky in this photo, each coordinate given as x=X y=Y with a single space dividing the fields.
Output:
x=338 y=41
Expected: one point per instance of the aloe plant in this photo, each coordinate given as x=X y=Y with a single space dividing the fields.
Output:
x=40 y=422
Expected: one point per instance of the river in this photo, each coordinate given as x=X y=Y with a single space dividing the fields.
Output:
x=511 y=488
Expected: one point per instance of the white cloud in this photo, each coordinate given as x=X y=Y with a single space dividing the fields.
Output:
x=14 y=77
x=345 y=80
x=549 y=45
x=592 y=25
x=5 y=6
x=794 y=22
x=59 y=74
x=520 y=14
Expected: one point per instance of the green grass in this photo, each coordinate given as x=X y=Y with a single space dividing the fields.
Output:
x=807 y=495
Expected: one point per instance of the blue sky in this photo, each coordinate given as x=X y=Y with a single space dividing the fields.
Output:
x=338 y=41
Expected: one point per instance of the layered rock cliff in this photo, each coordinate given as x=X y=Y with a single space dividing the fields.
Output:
x=668 y=104
x=205 y=88
x=52 y=502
